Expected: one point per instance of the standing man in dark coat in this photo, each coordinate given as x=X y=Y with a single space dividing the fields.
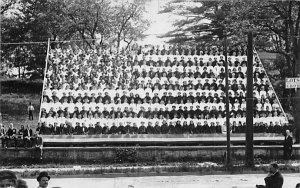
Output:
x=287 y=145
x=38 y=145
x=274 y=178
x=27 y=136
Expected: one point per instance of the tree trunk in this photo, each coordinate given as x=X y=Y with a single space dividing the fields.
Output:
x=19 y=68
x=23 y=72
x=118 y=43
x=287 y=46
x=101 y=40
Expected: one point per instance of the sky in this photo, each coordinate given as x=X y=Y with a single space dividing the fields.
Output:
x=161 y=23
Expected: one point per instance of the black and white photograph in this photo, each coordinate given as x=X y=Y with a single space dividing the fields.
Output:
x=150 y=93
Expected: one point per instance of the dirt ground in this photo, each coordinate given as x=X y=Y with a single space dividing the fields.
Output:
x=191 y=181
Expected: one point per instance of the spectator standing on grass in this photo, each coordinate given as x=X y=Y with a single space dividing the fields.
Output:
x=27 y=136
x=274 y=178
x=38 y=144
x=30 y=111
x=287 y=145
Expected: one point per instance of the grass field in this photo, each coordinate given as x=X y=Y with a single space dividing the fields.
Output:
x=14 y=109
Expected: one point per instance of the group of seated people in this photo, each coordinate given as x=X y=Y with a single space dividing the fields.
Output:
x=147 y=49
x=24 y=137
x=89 y=89
x=205 y=77
x=106 y=72
x=158 y=126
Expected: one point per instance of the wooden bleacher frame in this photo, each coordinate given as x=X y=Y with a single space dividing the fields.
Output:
x=157 y=139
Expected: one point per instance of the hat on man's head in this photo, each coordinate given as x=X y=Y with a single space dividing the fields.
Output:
x=43 y=174
x=7 y=174
x=21 y=184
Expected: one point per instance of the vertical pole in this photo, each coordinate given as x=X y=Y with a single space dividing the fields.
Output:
x=0 y=41
x=45 y=71
x=249 y=108
x=0 y=54
x=297 y=99
x=228 y=156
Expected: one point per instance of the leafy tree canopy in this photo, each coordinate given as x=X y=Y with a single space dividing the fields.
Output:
x=275 y=25
x=102 y=21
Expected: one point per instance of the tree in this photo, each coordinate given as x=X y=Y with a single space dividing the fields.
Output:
x=276 y=26
x=128 y=21
x=83 y=20
x=274 y=23
x=6 y=5
x=202 y=22
x=25 y=25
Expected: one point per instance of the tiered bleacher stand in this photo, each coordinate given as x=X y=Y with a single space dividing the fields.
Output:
x=153 y=95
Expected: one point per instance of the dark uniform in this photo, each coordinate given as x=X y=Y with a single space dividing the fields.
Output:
x=288 y=146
